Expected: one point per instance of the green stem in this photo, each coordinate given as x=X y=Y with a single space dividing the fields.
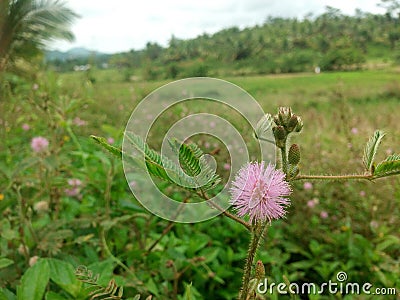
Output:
x=284 y=159
x=226 y=213
x=335 y=177
x=256 y=235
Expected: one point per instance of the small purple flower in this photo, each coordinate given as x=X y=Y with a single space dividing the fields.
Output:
x=354 y=130
x=307 y=185
x=227 y=167
x=324 y=215
x=72 y=192
x=39 y=144
x=79 y=122
x=312 y=203
x=259 y=192
x=75 y=188
x=74 y=182
x=25 y=127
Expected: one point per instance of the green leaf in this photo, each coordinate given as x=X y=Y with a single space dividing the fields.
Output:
x=389 y=166
x=34 y=281
x=162 y=167
x=103 y=142
x=371 y=149
x=194 y=164
x=53 y=296
x=6 y=294
x=5 y=262
x=63 y=274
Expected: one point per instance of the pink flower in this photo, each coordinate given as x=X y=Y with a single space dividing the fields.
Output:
x=74 y=182
x=307 y=185
x=312 y=203
x=362 y=193
x=25 y=127
x=323 y=214
x=79 y=122
x=110 y=140
x=259 y=192
x=374 y=224
x=39 y=144
x=74 y=190
x=227 y=166
x=354 y=130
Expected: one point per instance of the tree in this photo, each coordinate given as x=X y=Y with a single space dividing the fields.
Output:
x=26 y=26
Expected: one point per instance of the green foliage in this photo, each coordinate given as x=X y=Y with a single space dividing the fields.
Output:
x=390 y=166
x=96 y=291
x=164 y=168
x=26 y=25
x=34 y=281
x=371 y=148
x=192 y=161
x=111 y=149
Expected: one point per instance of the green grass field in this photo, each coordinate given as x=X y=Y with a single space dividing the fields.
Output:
x=104 y=228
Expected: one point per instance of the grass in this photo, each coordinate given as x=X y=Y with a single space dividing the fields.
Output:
x=108 y=230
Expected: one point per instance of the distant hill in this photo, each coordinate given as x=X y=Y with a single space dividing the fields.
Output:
x=72 y=54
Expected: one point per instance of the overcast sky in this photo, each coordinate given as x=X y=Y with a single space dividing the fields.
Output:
x=121 y=25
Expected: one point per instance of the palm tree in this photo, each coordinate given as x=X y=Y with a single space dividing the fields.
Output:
x=26 y=26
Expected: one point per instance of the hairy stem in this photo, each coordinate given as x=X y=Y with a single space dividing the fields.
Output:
x=256 y=235
x=225 y=212
x=335 y=177
x=284 y=159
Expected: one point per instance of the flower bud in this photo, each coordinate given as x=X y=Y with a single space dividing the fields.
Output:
x=292 y=123
x=299 y=125
x=294 y=154
x=276 y=120
x=293 y=171
x=284 y=114
x=260 y=270
x=280 y=136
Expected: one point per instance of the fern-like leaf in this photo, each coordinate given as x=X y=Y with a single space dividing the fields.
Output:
x=371 y=149
x=389 y=166
x=160 y=166
x=193 y=162
x=111 y=149
x=111 y=291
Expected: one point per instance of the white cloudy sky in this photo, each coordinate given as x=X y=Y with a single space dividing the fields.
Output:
x=121 y=25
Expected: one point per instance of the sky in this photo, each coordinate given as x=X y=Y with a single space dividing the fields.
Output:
x=121 y=25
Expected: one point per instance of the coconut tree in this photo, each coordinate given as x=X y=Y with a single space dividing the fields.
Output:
x=27 y=25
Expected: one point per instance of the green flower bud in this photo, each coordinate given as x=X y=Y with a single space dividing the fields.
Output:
x=276 y=120
x=260 y=270
x=293 y=171
x=279 y=132
x=280 y=136
x=299 y=125
x=284 y=115
x=294 y=154
x=292 y=123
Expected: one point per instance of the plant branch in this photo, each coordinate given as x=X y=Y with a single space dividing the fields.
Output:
x=225 y=212
x=256 y=236
x=336 y=177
